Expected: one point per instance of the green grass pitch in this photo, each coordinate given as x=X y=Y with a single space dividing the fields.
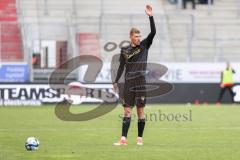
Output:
x=210 y=133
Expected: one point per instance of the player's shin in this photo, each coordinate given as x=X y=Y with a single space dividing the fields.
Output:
x=125 y=126
x=141 y=126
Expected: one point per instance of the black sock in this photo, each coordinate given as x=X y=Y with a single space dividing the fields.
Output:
x=141 y=125
x=125 y=125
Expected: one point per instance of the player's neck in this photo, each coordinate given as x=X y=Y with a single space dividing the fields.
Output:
x=133 y=45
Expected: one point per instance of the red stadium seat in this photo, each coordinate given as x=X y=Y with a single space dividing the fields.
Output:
x=11 y=41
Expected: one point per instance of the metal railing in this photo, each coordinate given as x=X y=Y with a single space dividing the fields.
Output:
x=168 y=31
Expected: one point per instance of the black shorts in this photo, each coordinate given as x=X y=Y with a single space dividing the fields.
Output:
x=134 y=93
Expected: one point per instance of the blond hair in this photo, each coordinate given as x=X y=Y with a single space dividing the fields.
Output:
x=134 y=30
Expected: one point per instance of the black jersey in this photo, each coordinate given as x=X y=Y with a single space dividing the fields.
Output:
x=134 y=59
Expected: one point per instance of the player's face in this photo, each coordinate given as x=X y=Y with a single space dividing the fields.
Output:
x=135 y=39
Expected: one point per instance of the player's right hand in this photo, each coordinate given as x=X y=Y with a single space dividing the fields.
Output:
x=115 y=87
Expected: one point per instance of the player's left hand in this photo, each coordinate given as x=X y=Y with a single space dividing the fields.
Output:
x=148 y=10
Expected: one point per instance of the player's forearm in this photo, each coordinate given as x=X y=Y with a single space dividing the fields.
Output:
x=151 y=35
x=119 y=73
x=152 y=26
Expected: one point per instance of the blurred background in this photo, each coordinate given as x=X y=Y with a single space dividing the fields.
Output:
x=194 y=41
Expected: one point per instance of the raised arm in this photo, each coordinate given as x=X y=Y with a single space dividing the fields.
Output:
x=151 y=35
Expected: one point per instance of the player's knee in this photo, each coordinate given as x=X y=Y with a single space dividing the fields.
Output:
x=127 y=112
x=140 y=113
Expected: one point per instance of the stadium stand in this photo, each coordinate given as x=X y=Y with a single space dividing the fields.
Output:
x=10 y=40
x=210 y=33
x=204 y=34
